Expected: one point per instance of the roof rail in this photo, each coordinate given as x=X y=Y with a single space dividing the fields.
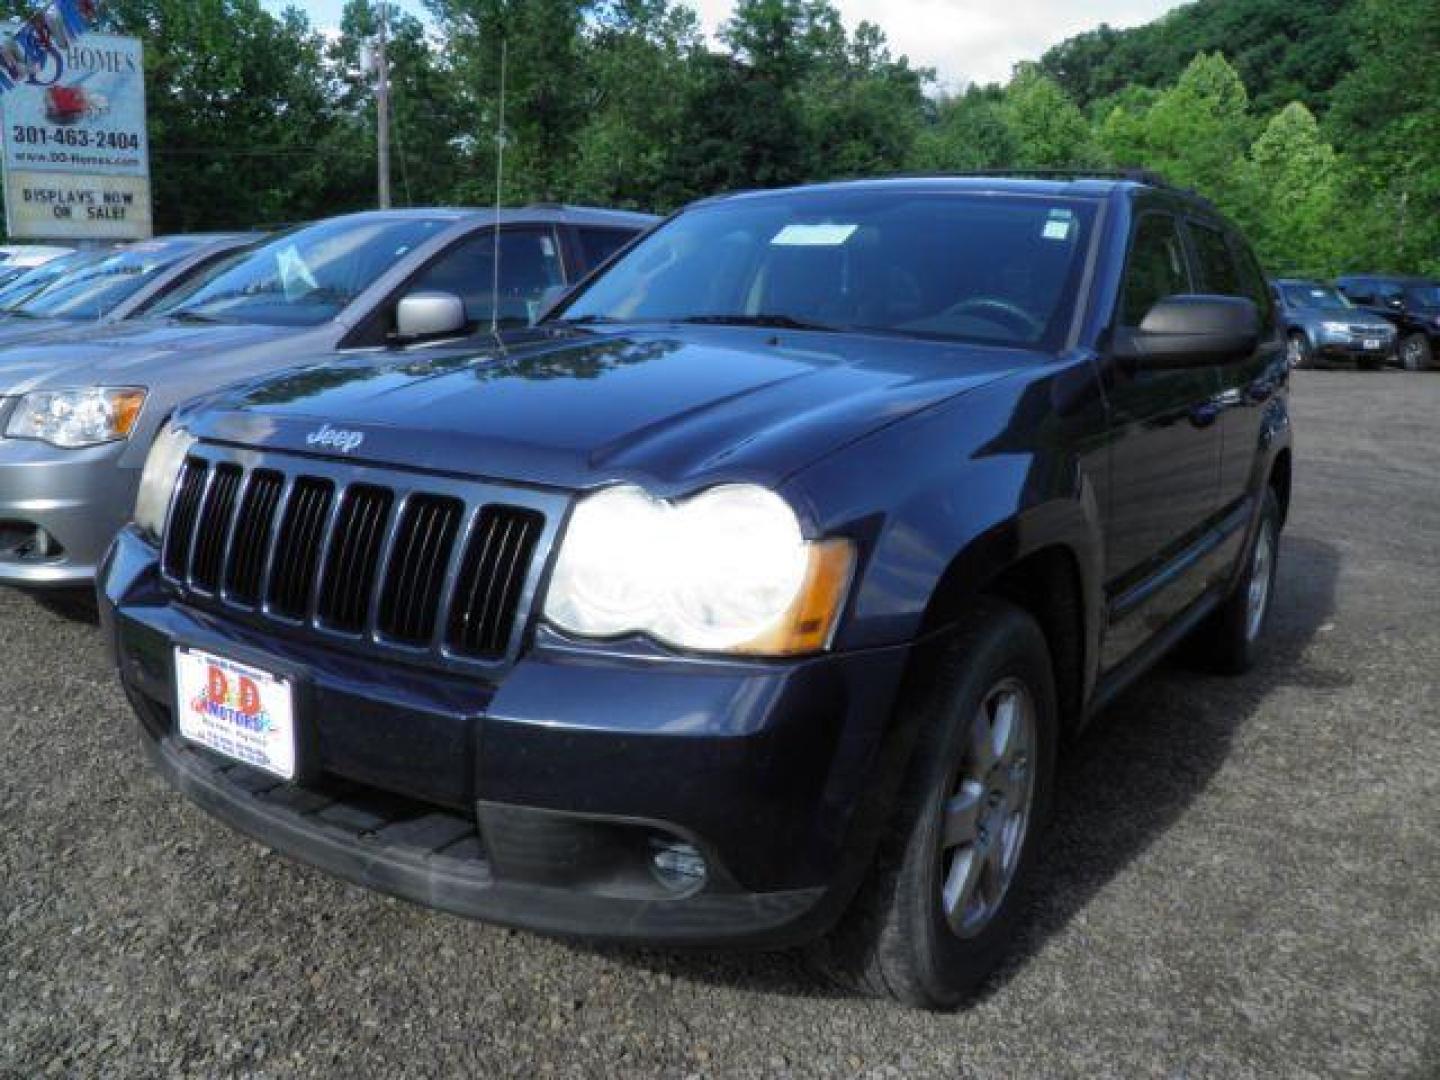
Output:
x=1138 y=176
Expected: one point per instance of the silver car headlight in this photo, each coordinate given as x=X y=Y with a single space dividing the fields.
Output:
x=1335 y=327
x=727 y=570
x=71 y=419
x=162 y=467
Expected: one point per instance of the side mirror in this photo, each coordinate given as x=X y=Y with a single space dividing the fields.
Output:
x=1192 y=331
x=552 y=296
x=429 y=314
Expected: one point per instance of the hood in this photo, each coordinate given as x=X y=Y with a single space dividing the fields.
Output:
x=16 y=328
x=666 y=408
x=120 y=354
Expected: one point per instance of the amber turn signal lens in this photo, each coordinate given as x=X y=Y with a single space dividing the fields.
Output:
x=126 y=405
x=810 y=623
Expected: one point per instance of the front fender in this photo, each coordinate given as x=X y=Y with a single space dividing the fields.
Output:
x=942 y=503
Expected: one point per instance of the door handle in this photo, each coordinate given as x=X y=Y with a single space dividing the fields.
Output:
x=1227 y=399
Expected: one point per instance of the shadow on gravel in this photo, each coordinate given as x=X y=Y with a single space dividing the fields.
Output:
x=1120 y=786
x=76 y=605
x=1145 y=759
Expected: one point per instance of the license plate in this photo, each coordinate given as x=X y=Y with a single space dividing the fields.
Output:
x=236 y=710
x=1372 y=345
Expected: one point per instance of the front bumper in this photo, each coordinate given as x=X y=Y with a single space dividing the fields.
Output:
x=538 y=801
x=1356 y=346
x=59 y=509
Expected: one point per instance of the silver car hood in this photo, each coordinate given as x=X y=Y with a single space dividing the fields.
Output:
x=123 y=354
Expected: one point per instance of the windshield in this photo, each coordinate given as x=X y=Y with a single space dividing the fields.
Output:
x=306 y=277
x=1314 y=296
x=1423 y=296
x=91 y=291
x=984 y=268
x=32 y=281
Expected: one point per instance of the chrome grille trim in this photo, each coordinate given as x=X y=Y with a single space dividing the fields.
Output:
x=351 y=521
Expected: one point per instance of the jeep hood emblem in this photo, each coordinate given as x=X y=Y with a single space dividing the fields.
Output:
x=335 y=438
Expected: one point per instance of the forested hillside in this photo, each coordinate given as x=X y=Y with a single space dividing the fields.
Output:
x=1312 y=122
x=1284 y=50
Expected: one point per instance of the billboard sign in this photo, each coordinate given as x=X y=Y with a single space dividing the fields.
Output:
x=77 y=153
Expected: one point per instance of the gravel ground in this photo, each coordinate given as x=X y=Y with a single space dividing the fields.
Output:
x=1243 y=879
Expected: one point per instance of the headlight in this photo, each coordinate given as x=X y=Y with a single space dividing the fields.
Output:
x=1335 y=327
x=75 y=418
x=725 y=571
x=158 y=479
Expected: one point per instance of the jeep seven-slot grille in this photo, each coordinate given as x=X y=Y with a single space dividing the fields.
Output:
x=491 y=578
x=364 y=559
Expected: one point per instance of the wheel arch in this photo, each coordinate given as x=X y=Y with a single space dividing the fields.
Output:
x=1049 y=583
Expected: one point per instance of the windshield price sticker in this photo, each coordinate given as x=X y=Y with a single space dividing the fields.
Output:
x=825 y=234
x=1059 y=225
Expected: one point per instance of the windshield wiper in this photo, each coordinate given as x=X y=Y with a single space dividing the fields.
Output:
x=772 y=322
x=196 y=318
x=585 y=320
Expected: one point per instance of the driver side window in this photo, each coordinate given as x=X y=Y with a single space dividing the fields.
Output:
x=1156 y=268
x=529 y=264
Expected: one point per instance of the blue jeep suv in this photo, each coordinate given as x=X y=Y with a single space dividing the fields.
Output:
x=750 y=596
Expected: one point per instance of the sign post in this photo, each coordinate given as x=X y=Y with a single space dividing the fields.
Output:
x=77 y=152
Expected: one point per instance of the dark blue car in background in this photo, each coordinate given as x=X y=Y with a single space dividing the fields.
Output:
x=746 y=599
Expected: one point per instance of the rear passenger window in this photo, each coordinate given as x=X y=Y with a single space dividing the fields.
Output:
x=1156 y=268
x=1217 y=266
x=597 y=245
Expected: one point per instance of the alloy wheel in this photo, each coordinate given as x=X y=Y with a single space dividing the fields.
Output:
x=985 y=820
x=1258 y=600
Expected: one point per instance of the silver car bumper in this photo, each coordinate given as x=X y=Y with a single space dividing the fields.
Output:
x=59 y=510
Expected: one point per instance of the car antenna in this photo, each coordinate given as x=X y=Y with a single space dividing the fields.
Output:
x=499 y=180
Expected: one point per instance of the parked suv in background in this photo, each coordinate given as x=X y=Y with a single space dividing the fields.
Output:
x=77 y=415
x=746 y=599
x=1412 y=304
x=1321 y=325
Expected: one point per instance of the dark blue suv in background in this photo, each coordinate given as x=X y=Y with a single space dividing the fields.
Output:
x=1411 y=304
x=749 y=597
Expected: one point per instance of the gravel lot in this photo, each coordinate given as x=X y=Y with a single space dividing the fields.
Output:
x=1243 y=880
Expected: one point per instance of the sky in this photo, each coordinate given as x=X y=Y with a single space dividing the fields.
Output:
x=964 y=40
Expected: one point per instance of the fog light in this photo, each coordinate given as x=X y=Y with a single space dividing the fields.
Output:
x=678 y=866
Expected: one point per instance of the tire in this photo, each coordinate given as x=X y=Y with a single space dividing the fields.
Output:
x=1416 y=353
x=1228 y=642
x=896 y=939
x=1298 y=350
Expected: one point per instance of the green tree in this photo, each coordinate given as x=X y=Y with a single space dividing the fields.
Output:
x=425 y=117
x=544 y=46
x=238 y=112
x=968 y=131
x=1387 y=117
x=1284 y=50
x=1048 y=129
x=1293 y=193
x=640 y=73
x=861 y=108
x=1195 y=133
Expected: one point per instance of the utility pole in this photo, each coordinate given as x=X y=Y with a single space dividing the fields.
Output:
x=382 y=106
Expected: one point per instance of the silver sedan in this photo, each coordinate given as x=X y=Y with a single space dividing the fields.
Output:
x=77 y=416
